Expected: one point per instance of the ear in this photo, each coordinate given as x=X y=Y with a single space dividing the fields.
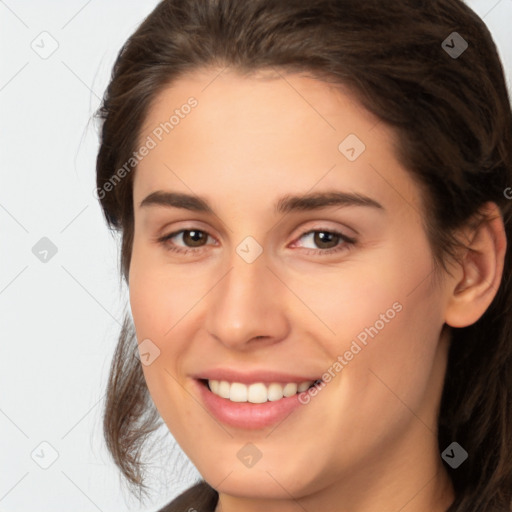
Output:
x=479 y=275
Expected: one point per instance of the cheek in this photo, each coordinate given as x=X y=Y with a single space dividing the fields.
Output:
x=382 y=311
x=151 y=301
x=165 y=301
x=158 y=308
x=388 y=335
x=160 y=295
x=370 y=298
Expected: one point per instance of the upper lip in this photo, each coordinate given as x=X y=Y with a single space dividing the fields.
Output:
x=252 y=376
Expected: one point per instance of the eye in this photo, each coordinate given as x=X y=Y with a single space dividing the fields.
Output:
x=194 y=237
x=334 y=240
x=328 y=241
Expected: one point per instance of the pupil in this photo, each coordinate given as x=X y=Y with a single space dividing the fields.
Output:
x=196 y=236
x=322 y=236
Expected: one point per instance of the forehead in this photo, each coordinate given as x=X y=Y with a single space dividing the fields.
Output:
x=263 y=104
x=274 y=130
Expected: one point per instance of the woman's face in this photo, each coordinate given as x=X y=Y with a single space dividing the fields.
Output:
x=261 y=289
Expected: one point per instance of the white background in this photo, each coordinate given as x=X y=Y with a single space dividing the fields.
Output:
x=59 y=320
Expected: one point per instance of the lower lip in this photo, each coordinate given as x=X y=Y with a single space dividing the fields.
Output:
x=247 y=415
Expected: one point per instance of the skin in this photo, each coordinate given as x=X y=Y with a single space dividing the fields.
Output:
x=367 y=441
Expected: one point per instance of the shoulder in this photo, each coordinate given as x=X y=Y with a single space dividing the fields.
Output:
x=201 y=497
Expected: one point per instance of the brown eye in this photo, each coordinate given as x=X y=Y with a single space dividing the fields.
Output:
x=326 y=241
x=323 y=238
x=194 y=238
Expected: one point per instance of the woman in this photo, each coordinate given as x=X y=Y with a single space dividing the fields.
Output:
x=313 y=204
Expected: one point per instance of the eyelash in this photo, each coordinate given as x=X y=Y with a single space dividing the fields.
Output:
x=348 y=241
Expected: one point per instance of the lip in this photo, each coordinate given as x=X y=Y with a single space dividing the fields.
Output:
x=252 y=376
x=246 y=415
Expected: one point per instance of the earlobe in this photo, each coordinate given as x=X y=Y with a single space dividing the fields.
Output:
x=481 y=270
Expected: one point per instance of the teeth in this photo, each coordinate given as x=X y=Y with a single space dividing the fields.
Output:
x=257 y=393
x=223 y=390
x=303 y=386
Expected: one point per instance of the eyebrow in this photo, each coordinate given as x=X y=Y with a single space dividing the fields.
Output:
x=285 y=204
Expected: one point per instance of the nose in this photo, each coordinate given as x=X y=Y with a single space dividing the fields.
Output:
x=248 y=307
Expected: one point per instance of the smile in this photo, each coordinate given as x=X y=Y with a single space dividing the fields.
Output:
x=256 y=393
x=253 y=405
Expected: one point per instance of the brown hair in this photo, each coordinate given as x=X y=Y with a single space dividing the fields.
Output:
x=454 y=125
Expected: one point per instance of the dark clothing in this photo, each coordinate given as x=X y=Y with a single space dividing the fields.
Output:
x=198 y=498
